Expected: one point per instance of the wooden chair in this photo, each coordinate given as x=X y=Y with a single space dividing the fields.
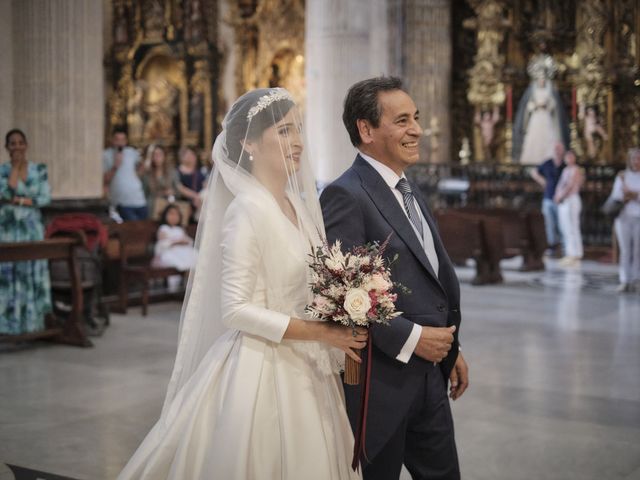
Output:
x=136 y=240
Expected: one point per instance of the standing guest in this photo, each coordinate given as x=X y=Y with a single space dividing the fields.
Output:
x=157 y=180
x=25 y=295
x=626 y=188
x=567 y=197
x=547 y=175
x=189 y=178
x=121 y=165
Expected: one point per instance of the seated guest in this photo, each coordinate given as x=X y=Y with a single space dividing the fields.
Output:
x=189 y=178
x=157 y=181
x=25 y=295
x=121 y=165
x=174 y=248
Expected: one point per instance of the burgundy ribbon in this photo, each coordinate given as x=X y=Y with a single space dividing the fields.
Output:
x=361 y=433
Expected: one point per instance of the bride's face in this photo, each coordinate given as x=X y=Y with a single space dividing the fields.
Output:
x=280 y=147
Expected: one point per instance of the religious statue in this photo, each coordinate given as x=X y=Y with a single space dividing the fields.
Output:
x=592 y=129
x=465 y=151
x=153 y=19
x=287 y=71
x=162 y=110
x=486 y=121
x=121 y=27
x=135 y=120
x=194 y=27
x=541 y=120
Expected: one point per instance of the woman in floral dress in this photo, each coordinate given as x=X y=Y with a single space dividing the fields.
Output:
x=25 y=295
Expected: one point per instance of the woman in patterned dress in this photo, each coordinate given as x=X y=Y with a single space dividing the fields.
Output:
x=25 y=295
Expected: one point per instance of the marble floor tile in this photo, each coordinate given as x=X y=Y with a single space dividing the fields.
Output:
x=554 y=395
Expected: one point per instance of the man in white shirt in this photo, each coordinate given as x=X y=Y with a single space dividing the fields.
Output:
x=120 y=164
x=409 y=419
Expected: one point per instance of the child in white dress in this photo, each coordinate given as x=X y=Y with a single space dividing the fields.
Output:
x=174 y=248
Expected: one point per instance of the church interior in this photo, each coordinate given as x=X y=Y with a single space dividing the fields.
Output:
x=551 y=331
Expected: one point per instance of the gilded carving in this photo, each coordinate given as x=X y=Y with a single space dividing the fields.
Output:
x=596 y=45
x=269 y=44
x=161 y=63
x=592 y=83
x=153 y=13
x=486 y=88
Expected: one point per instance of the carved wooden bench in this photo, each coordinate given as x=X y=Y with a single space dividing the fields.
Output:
x=522 y=234
x=471 y=236
x=134 y=251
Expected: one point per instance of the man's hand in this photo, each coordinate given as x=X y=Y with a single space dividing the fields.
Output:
x=459 y=378
x=435 y=343
x=539 y=179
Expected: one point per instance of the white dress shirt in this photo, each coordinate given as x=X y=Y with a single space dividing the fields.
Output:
x=391 y=178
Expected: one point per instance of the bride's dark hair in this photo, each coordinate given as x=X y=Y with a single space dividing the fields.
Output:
x=240 y=129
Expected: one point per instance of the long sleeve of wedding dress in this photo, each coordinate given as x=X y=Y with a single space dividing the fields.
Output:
x=256 y=407
x=243 y=286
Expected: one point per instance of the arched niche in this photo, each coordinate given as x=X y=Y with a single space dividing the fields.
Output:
x=158 y=101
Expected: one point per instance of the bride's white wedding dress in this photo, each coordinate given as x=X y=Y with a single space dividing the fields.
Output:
x=258 y=406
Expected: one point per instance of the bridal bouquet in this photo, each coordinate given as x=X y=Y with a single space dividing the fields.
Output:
x=353 y=288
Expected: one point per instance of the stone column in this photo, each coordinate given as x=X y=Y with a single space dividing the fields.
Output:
x=6 y=69
x=346 y=41
x=58 y=97
x=427 y=70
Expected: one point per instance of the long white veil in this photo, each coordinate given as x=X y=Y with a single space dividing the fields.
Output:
x=261 y=146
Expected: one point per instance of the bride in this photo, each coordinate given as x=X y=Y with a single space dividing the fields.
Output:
x=254 y=392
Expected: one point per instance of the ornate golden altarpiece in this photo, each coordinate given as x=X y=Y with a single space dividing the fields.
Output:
x=163 y=67
x=596 y=44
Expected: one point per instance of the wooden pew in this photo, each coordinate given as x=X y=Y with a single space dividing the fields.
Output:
x=470 y=236
x=522 y=234
x=71 y=332
x=134 y=251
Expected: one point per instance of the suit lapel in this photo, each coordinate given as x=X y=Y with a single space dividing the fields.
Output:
x=386 y=203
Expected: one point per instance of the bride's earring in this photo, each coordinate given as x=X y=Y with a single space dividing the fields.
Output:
x=251 y=157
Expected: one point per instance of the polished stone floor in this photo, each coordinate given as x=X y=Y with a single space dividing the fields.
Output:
x=555 y=385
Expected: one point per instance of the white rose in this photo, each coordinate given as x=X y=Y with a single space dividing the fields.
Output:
x=357 y=303
x=378 y=282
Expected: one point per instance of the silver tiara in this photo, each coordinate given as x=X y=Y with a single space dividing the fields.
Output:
x=266 y=100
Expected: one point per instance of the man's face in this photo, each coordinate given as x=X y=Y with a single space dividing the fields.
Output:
x=395 y=141
x=559 y=152
x=119 y=139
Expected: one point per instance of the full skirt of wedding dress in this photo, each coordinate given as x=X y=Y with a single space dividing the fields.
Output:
x=540 y=138
x=253 y=410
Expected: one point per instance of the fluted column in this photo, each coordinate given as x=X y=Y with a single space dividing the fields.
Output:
x=346 y=41
x=6 y=69
x=427 y=71
x=58 y=96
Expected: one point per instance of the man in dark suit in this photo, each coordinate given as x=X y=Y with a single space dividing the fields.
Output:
x=409 y=418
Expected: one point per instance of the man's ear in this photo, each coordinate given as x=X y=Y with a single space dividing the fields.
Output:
x=365 y=130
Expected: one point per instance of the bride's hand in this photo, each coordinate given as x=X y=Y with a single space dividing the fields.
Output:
x=342 y=337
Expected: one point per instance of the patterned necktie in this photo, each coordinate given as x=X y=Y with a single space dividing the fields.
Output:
x=410 y=205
